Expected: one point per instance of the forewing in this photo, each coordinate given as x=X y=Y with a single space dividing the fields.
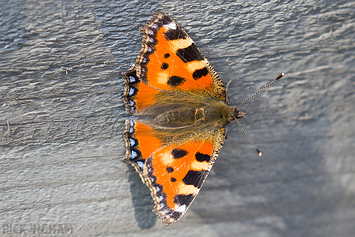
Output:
x=170 y=61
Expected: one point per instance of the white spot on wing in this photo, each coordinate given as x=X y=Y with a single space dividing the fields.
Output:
x=140 y=164
x=132 y=142
x=131 y=91
x=132 y=79
x=181 y=208
x=171 y=25
x=133 y=154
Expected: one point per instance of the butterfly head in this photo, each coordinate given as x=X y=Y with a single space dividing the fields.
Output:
x=234 y=114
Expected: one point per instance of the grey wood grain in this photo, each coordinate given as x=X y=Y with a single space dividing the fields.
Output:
x=61 y=119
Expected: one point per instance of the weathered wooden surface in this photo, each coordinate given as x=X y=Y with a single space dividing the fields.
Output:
x=61 y=119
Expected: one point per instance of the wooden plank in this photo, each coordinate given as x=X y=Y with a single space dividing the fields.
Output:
x=61 y=119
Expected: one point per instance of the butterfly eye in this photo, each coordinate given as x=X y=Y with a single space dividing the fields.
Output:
x=231 y=118
x=236 y=113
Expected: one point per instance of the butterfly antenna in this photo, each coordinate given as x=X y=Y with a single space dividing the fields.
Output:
x=267 y=85
x=246 y=134
x=228 y=100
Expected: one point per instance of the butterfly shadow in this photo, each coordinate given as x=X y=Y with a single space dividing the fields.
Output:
x=289 y=185
x=142 y=202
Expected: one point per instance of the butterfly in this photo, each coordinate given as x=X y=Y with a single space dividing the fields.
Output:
x=179 y=109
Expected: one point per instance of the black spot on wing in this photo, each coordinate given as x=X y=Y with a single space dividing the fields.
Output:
x=173 y=179
x=176 y=215
x=183 y=199
x=189 y=54
x=200 y=73
x=164 y=66
x=202 y=157
x=175 y=81
x=178 y=153
x=194 y=178
x=174 y=34
x=169 y=169
x=167 y=55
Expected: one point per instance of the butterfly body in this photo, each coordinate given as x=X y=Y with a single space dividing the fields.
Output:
x=180 y=113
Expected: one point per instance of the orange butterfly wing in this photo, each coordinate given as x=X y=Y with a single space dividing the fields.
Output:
x=179 y=102
x=168 y=49
x=174 y=173
x=177 y=173
x=169 y=61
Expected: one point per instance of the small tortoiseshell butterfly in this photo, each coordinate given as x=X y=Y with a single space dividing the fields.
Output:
x=180 y=109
